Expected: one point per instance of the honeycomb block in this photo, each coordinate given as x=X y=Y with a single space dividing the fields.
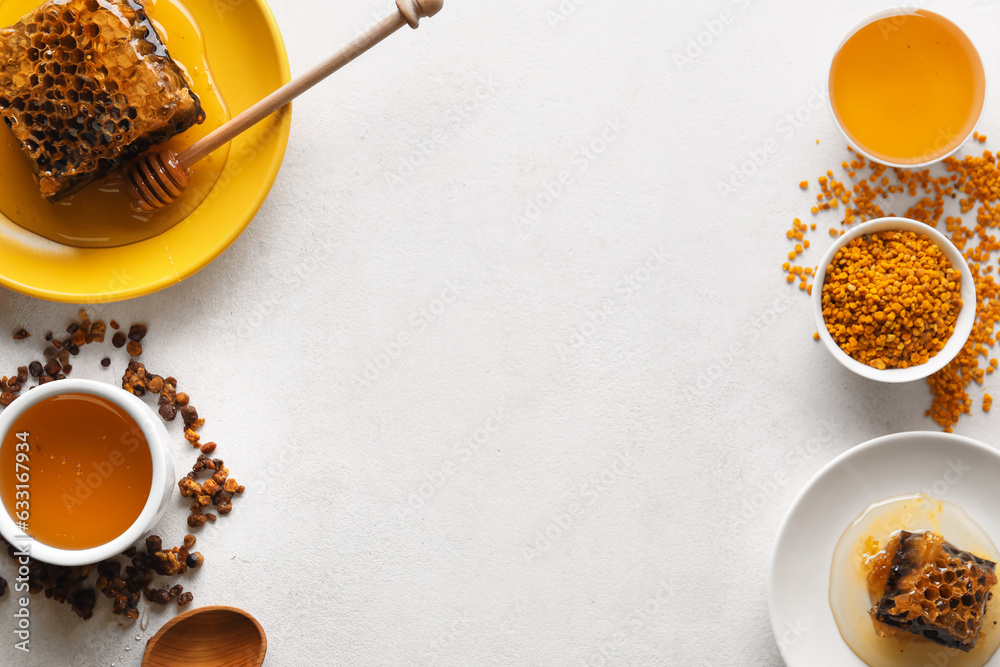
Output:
x=85 y=86
x=935 y=590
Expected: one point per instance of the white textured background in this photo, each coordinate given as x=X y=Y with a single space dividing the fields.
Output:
x=642 y=382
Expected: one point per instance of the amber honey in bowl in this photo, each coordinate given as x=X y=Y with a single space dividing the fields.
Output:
x=907 y=88
x=89 y=470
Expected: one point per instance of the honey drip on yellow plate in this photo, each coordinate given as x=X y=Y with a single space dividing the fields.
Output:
x=909 y=88
x=99 y=216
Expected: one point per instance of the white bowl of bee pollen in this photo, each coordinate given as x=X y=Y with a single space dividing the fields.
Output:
x=963 y=325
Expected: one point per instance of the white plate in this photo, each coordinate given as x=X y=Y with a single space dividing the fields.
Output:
x=949 y=467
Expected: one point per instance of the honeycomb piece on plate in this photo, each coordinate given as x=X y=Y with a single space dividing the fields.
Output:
x=85 y=86
x=935 y=590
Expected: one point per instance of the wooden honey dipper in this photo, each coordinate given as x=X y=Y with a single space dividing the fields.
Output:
x=157 y=179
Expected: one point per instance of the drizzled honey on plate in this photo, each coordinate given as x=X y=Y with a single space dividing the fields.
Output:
x=907 y=89
x=855 y=574
x=81 y=468
x=100 y=215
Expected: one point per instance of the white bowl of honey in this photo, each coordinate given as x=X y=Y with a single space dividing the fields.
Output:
x=907 y=87
x=85 y=470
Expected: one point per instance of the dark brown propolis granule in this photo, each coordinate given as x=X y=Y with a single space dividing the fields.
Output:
x=168 y=412
x=158 y=596
x=96 y=333
x=137 y=332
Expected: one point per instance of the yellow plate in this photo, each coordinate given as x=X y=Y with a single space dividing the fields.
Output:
x=248 y=59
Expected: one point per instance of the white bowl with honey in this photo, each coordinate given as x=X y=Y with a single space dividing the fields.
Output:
x=85 y=470
x=877 y=314
x=906 y=87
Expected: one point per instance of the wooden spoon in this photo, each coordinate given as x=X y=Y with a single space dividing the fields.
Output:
x=208 y=637
x=157 y=179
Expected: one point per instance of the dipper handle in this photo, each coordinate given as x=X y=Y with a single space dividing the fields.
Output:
x=157 y=179
x=409 y=13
